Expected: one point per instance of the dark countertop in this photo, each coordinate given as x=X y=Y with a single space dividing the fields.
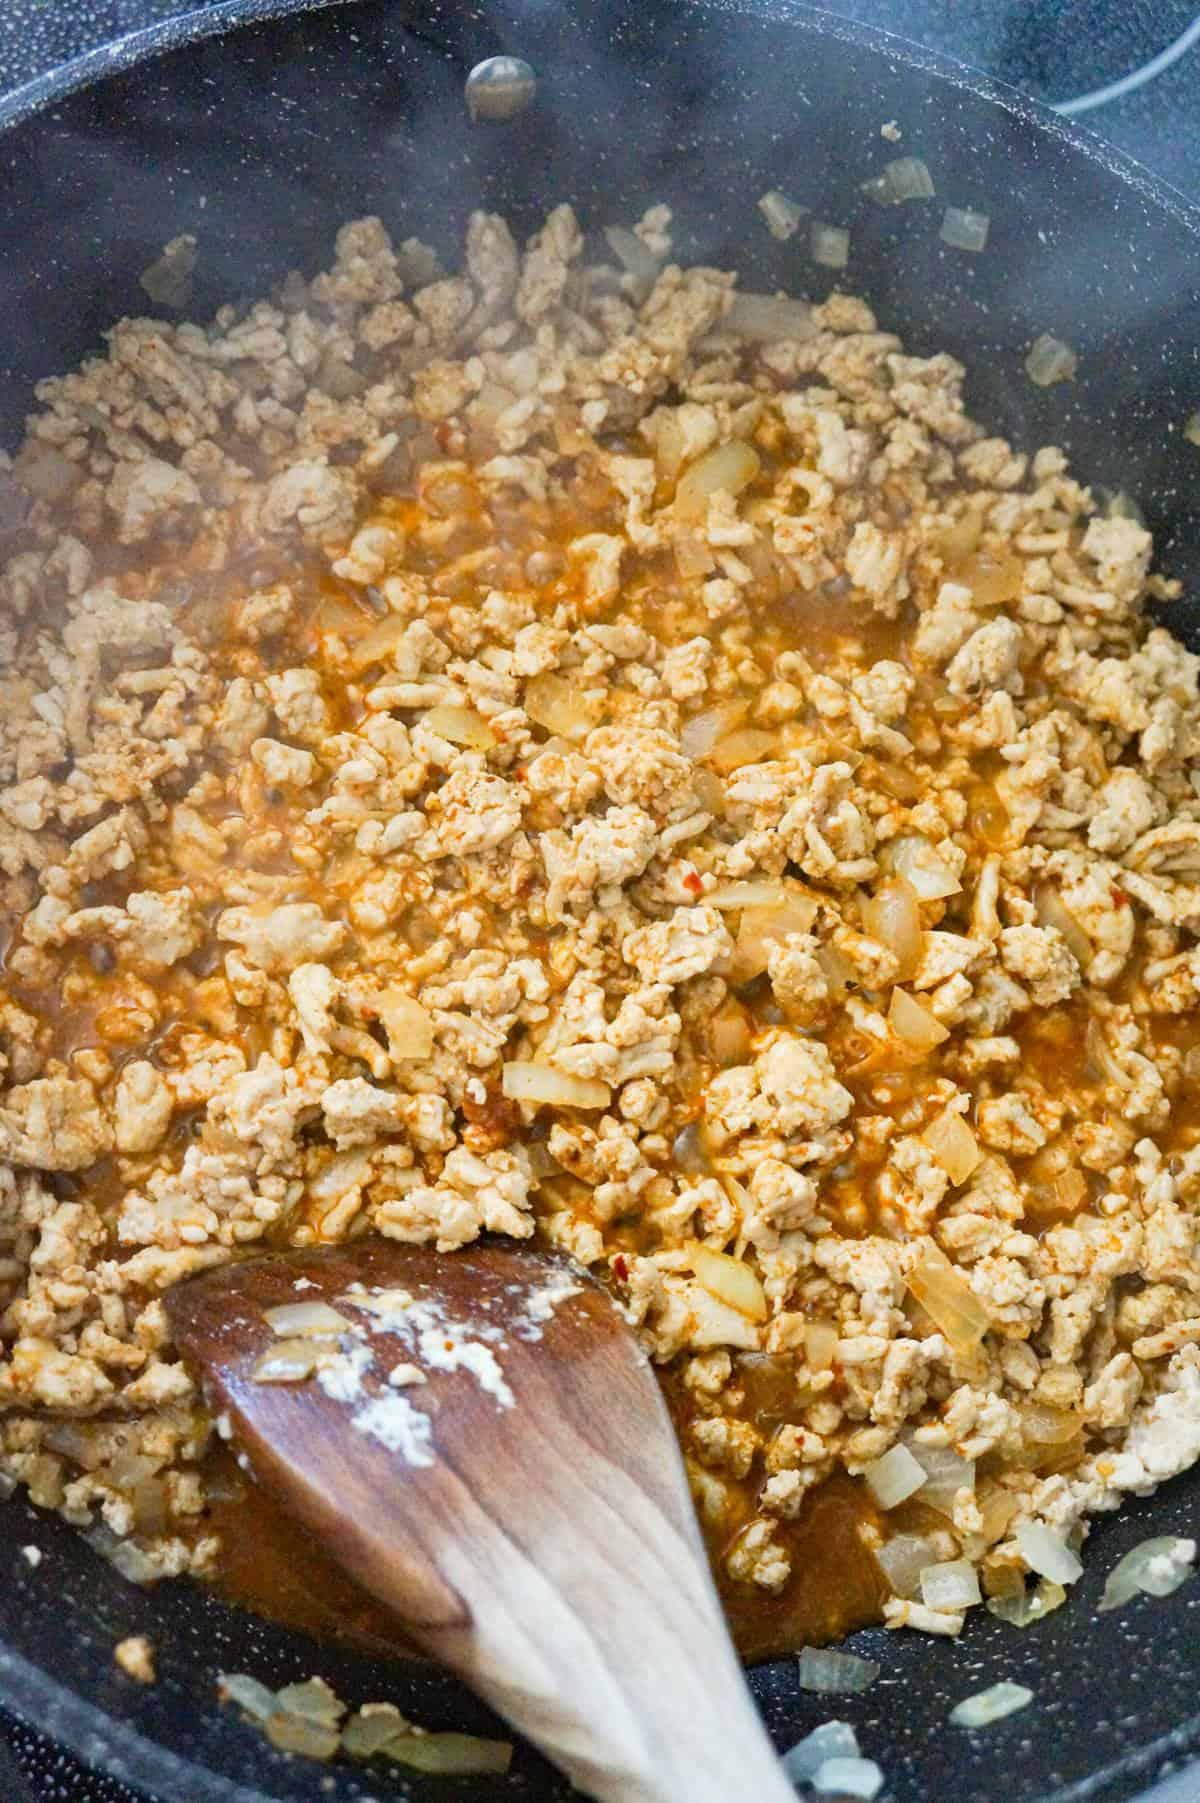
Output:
x=1058 y=53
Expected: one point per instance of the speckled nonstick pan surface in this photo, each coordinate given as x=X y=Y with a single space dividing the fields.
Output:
x=262 y=127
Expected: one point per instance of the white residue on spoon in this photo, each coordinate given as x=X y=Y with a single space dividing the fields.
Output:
x=388 y=1418
x=341 y=1377
x=542 y=1302
x=437 y=1341
x=392 y=1420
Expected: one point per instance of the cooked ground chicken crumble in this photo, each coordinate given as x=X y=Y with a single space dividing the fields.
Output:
x=427 y=694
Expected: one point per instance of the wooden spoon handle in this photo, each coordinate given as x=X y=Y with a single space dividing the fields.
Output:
x=544 y=1547
x=617 y=1664
x=654 y=1711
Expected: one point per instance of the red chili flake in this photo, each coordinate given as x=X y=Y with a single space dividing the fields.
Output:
x=445 y=434
x=692 y=883
x=620 y=1265
x=1119 y=896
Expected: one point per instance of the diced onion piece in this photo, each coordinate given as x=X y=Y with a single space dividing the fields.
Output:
x=915 y=859
x=296 y=1734
x=1153 y=1567
x=953 y=1145
x=848 y=1778
x=710 y=790
x=1052 y=911
x=898 y=782
x=1006 y=1580
x=903 y=1558
x=730 y=1281
x=820 y=1344
x=728 y=467
x=1102 y=1056
x=289 y=1362
x=1045 y=1426
x=990 y=1705
x=378 y=643
x=314 y=1700
x=832 y=1673
x=770 y=318
x=954 y=1585
x=832 y=1740
x=1164 y=1564
x=75 y=1439
x=914 y=1024
x=964 y=230
x=336 y=1179
x=948 y=1299
x=992 y=579
x=693 y=554
x=542 y=1161
x=461 y=726
x=450 y=1755
x=124 y=1556
x=1050 y=361
x=769 y=892
x=1046 y=1552
x=730 y=1037
x=1054 y=1180
x=893 y=916
x=129 y=1468
x=894 y=1477
x=946 y=1473
x=305 y=1319
x=150 y=1506
x=908 y=178
x=988 y=817
x=559 y=707
x=370 y=1728
x=525 y=1081
x=958 y=540
x=636 y=258
x=407 y=1023
x=997 y=1506
x=782 y=214
x=749 y=745
x=669 y=443
x=830 y=245
x=1022 y=1610
x=257 y=1701
x=688 y=1151
x=838 y=971
x=1122 y=1585
x=704 y=730
x=762 y=927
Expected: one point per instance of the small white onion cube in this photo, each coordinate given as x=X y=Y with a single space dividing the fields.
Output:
x=954 y=1585
x=894 y=1477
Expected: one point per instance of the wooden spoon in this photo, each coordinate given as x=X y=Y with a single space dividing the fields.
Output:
x=524 y=1510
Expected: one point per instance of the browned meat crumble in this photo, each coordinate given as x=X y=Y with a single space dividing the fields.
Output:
x=517 y=752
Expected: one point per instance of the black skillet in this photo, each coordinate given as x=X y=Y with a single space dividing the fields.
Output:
x=261 y=126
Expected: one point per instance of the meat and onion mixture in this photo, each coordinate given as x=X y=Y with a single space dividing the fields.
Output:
x=569 y=750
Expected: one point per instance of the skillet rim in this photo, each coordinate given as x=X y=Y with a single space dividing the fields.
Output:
x=44 y=1702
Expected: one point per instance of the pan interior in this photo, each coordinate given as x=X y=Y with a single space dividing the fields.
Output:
x=264 y=142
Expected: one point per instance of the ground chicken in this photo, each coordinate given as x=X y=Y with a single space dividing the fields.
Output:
x=428 y=673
